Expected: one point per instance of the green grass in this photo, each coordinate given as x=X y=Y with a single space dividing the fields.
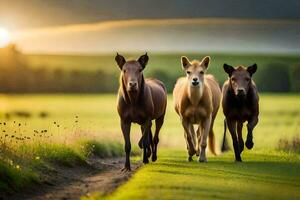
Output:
x=87 y=122
x=97 y=116
x=23 y=165
x=262 y=175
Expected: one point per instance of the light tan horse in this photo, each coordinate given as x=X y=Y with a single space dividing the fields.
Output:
x=196 y=100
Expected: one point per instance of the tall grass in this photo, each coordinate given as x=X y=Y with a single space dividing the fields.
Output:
x=26 y=154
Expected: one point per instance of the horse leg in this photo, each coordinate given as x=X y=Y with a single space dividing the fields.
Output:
x=199 y=133
x=187 y=146
x=141 y=140
x=206 y=128
x=146 y=144
x=126 y=134
x=240 y=136
x=232 y=129
x=158 y=124
x=151 y=146
x=193 y=135
x=250 y=126
x=150 y=141
x=191 y=150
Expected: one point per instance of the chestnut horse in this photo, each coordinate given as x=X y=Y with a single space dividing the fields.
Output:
x=196 y=100
x=140 y=101
x=240 y=104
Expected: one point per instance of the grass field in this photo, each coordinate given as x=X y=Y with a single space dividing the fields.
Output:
x=263 y=175
x=94 y=117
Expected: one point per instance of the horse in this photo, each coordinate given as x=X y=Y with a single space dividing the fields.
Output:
x=196 y=100
x=240 y=102
x=140 y=101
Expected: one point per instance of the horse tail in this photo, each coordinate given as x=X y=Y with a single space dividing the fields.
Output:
x=211 y=142
x=225 y=146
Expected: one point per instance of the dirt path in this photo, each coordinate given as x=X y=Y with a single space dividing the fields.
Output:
x=103 y=175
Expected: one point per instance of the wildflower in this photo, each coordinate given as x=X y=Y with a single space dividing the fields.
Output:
x=37 y=157
x=18 y=167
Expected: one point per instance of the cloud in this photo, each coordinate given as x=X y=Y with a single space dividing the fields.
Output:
x=161 y=35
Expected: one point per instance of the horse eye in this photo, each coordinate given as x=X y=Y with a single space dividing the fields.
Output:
x=188 y=72
x=124 y=70
x=140 y=70
x=202 y=72
x=233 y=79
x=247 y=79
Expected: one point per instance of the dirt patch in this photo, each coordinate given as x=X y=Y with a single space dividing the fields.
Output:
x=101 y=175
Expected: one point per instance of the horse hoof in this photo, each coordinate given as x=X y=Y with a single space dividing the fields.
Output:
x=249 y=144
x=192 y=152
x=145 y=161
x=190 y=158
x=202 y=160
x=126 y=169
x=154 y=158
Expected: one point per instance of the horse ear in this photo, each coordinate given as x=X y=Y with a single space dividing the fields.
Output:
x=205 y=61
x=228 y=69
x=143 y=60
x=185 y=62
x=120 y=60
x=252 y=69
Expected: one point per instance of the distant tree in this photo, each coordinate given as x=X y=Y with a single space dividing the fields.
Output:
x=295 y=78
x=273 y=78
x=163 y=76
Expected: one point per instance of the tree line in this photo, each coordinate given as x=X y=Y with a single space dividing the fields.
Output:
x=17 y=77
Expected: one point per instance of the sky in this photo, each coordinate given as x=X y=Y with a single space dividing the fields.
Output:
x=78 y=26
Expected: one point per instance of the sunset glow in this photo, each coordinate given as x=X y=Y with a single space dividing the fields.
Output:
x=4 y=37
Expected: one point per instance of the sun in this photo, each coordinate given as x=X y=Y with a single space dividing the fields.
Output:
x=4 y=37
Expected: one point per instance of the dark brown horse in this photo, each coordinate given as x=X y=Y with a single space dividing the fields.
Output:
x=240 y=104
x=140 y=101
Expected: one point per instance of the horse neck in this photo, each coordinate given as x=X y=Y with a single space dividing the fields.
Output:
x=133 y=98
x=195 y=94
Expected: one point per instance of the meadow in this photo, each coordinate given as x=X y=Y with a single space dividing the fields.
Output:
x=76 y=126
